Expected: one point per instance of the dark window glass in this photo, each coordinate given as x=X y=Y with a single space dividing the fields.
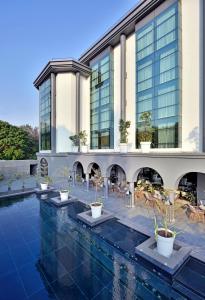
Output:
x=101 y=106
x=45 y=115
x=158 y=79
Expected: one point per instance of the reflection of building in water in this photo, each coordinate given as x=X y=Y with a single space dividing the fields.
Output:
x=51 y=240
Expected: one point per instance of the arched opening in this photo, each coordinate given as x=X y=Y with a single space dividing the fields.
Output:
x=43 y=167
x=93 y=168
x=117 y=175
x=192 y=187
x=95 y=176
x=151 y=176
x=79 y=172
x=117 y=182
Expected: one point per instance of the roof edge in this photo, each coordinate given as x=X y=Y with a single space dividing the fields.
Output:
x=125 y=25
x=61 y=66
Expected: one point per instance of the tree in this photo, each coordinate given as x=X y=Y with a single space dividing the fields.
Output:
x=34 y=135
x=16 y=143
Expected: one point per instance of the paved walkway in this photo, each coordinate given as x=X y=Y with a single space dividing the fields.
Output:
x=139 y=217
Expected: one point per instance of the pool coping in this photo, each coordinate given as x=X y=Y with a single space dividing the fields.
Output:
x=16 y=193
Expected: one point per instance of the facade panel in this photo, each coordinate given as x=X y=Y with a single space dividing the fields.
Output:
x=158 y=52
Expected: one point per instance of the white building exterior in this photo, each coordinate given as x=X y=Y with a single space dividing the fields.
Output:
x=67 y=107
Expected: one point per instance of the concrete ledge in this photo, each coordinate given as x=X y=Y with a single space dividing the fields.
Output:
x=40 y=191
x=11 y=194
x=148 y=250
x=86 y=217
x=57 y=201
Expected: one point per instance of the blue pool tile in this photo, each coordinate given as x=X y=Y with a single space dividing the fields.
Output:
x=32 y=279
x=68 y=259
x=6 y=264
x=11 y=287
x=51 y=267
x=3 y=246
x=29 y=234
x=21 y=255
x=87 y=282
x=92 y=268
x=105 y=294
x=35 y=248
x=44 y=294
x=66 y=289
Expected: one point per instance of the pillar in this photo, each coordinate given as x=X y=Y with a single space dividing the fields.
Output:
x=77 y=117
x=132 y=196
x=74 y=174
x=106 y=187
x=123 y=77
x=87 y=178
x=53 y=112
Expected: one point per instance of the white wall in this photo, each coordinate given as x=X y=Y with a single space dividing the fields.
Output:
x=191 y=64
x=65 y=110
x=131 y=88
x=117 y=70
x=85 y=105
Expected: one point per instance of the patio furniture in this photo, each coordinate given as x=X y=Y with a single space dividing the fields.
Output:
x=149 y=199
x=194 y=213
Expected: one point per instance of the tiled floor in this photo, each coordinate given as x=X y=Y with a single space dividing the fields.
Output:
x=141 y=218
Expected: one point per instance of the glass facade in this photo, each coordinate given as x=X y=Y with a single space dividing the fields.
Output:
x=101 y=105
x=45 y=115
x=158 y=67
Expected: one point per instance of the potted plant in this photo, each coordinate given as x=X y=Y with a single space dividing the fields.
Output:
x=45 y=181
x=165 y=239
x=145 y=132
x=65 y=182
x=83 y=141
x=64 y=194
x=96 y=206
x=123 y=126
x=75 y=141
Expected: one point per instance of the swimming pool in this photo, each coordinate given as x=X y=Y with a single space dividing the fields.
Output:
x=47 y=253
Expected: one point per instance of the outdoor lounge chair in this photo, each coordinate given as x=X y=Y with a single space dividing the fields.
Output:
x=194 y=213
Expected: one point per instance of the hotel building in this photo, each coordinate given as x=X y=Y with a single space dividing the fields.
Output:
x=151 y=60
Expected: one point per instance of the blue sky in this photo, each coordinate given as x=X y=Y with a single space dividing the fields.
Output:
x=34 y=31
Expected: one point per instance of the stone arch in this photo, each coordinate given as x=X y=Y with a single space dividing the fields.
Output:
x=43 y=167
x=93 y=165
x=116 y=174
x=78 y=169
x=192 y=182
x=150 y=174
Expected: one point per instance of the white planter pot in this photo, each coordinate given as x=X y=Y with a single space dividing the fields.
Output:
x=145 y=146
x=64 y=195
x=123 y=148
x=75 y=148
x=84 y=148
x=44 y=186
x=165 y=244
x=96 y=209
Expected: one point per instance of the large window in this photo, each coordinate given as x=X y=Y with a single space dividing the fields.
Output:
x=158 y=77
x=101 y=106
x=45 y=115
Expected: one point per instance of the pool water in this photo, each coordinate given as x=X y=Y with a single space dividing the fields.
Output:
x=46 y=253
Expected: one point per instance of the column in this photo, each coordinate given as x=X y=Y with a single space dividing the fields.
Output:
x=123 y=77
x=87 y=178
x=74 y=174
x=77 y=117
x=106 y=187
x=53 y=112
x=132 y=196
